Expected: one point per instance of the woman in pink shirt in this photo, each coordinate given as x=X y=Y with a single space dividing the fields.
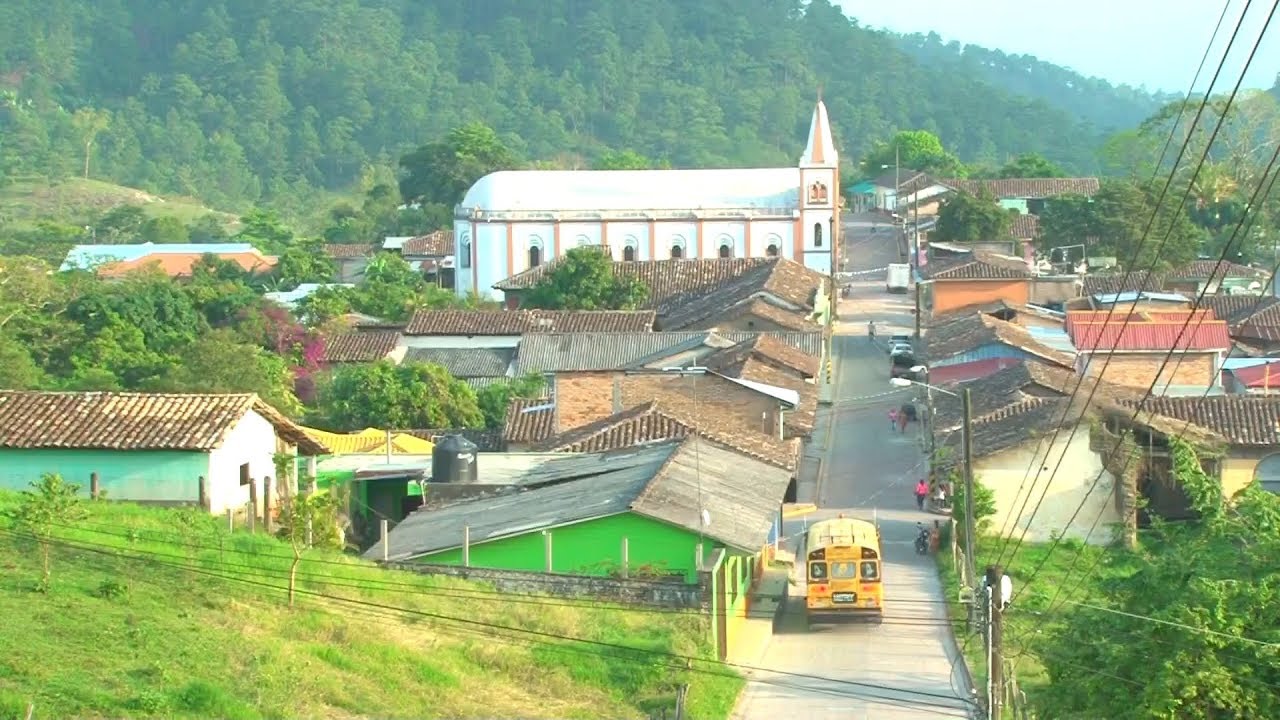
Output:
x=893 y=418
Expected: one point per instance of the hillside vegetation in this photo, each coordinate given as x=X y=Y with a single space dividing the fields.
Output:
x=162 y=613
x=236 y=103
x=26 y=201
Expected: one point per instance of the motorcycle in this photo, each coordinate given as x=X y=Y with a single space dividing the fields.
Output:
x=922 y=540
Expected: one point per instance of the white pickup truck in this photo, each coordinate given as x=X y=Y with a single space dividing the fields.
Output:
x=899 y=278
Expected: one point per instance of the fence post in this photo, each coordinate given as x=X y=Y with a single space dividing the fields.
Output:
x=231 y=519
x=546 y=536
x=626 y=559
x=382 y=532
x=253 y=504
x=94 y=487
x=266 y=503
x=466 y=546
x=204 y=493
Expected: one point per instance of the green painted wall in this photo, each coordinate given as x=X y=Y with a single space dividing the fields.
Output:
x=593 y=547
x=145 y=475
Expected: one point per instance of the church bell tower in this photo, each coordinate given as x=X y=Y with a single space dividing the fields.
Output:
x=819 y=224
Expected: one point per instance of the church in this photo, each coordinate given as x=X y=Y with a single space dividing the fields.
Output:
x=511 y=221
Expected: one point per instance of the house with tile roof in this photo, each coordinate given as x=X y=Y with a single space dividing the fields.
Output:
x=975 y=278
x=149 y=447
x=980 y=336
x=1026 y=195
x=478 y=367
x=1156 y=350
x=1031 y=436
x=724 y=293
x=466 y=329
x=349 y=260
x=182 y=265
x=364 y=346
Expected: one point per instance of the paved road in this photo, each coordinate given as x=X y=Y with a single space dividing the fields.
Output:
x=906 y=668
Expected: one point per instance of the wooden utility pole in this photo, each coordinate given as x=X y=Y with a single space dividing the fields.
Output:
x=969 y=521
x=995 y=641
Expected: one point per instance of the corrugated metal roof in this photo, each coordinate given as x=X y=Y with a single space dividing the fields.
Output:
x=1113 y=298
x=1151 y=336
x=86 y=256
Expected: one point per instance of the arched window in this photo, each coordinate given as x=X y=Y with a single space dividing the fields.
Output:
x=772 y=250
x=726 y=251
x=629 y=253
x=464 y=251
x=535 y=256
x=817 y=234
x=677 y=252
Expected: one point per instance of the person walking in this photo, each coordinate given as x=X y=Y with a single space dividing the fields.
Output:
x=922 y=492
x=902 y=422
x=871 y=330
x=893 y=418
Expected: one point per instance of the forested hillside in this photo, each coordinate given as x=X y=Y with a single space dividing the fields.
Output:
x=238 y=102
x=1106 y=106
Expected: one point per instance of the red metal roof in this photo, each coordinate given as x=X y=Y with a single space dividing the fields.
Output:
x=1146 y=316
x=1258 y=376
x=1150 y=336
x=964 y=372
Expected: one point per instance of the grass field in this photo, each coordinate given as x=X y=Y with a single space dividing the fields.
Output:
x=24 y=201
x=1026 y=621
x=163 y=613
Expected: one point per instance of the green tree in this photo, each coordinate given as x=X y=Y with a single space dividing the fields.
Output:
x=89 y=124
x=442 y=172
x=324 y=305
x=493 y=400
x=412 y=395
x=221 y=362
x=966 y=218
x=207 y=229
x=18 y=370
x=266 y=231
x=163 y=230
x=120 y=224
x=50 y=503
x=622 y=160
x=1030 y=165
x=914 y=149
x=1118 y=221
x=584 y=280
x=1201 y=583
x=304 y=262
x=309 y=520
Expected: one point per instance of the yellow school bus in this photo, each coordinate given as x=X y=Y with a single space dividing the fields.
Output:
x=843 y=558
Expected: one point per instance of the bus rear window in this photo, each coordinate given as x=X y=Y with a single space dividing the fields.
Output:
x=843 y=570
x=870 y=571
x=817 y=571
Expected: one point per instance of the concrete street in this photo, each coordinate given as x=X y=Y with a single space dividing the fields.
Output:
x=908 y=667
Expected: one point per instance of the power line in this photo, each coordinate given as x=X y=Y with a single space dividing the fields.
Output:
x=471 y=622
x=1182 y=203
x=1129 y=271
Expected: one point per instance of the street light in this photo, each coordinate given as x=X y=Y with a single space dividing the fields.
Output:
x=967 y=437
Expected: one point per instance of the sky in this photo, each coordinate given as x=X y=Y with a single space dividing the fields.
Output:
x=1153 y=43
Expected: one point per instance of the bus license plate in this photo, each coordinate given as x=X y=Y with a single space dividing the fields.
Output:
x=843 y=597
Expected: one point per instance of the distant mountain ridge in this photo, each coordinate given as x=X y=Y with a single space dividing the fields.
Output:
x=1103 y=105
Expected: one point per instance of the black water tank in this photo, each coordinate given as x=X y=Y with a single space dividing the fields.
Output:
x=453 y=460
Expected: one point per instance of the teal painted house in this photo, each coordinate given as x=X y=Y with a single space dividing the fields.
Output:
x=146 y=447
x=647 y=507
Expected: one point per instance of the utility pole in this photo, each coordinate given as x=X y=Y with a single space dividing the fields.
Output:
x=969 y=529
x=998 y=591
x=917 y=283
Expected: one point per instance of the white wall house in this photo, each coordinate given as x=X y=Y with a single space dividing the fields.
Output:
x=511 y=221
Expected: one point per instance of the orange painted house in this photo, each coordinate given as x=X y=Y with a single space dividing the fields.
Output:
x=974 y=279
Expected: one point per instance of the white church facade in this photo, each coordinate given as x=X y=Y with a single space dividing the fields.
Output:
x=511 y=221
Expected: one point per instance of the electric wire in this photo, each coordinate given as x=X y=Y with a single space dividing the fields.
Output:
x=1182 y=203
x=689 y=660
x=1129 y=267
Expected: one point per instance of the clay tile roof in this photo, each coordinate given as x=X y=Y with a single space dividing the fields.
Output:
x=978 y=266
x=1009 y=426
x=1025 y=226
x=183 y=264
x=1260 y=325
x=763 y=347
x=437 y=244
x=135 y=421
x=345 y=251
x=521 y=322
x=529 y=420
x=648 y=423
x=1239 y=419
x=970 y=333
x=1030 y=188
x=1213 y=270
x=789 y=282
x=466 y=363
x=1120 y=282
x=360 y=346
x=783 y=318
x=1236 y=309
